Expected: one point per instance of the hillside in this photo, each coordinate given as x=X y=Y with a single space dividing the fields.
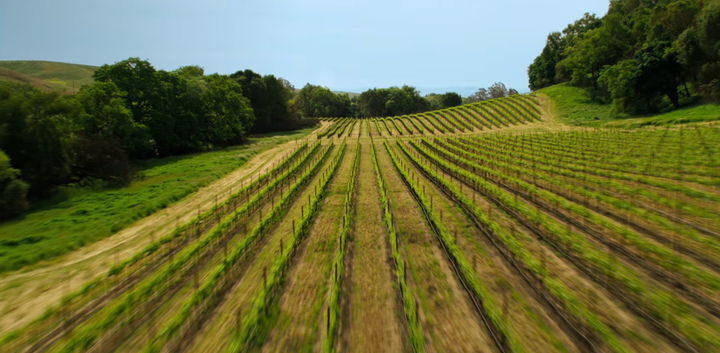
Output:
x=46 y=75
x=572 y=106
x=483 y=227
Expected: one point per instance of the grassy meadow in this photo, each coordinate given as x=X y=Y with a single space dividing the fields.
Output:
x=48 y=75
x=75 y=217
x=573 y=106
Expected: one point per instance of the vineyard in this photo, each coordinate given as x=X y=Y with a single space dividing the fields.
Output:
x=473 y=228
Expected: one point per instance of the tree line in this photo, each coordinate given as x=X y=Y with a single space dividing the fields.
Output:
x=131 y=111
x=497 y=90
x=643 y=56
x=315 y=101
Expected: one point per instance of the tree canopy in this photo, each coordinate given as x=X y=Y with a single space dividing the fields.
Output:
x=643 y=56
x=131 y=111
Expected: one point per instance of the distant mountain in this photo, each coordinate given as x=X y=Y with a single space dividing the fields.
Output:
x=48 y=76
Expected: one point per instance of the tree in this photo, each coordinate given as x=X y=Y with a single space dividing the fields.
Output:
x=191 y=72
x=708 y=25
x=228 y=115
x=543 y=71
x=398 y=102
x=137 y=79
x=660 y=72
x=269 y=98
x=371 y=103
x=451 y=99
x=512 y=92
x=36 y=134
x=620 y=82
x=497 y=90
x=316 y=101
x=597 y=48
x=478 y=96
x=99 y=159
x=287 y=84
x=672 y=42
x=178 y=109
x=105 y=116
x=13 y=191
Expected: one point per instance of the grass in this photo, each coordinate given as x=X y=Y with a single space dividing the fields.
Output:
x=76 y=217
x=692 y=114
x=47 y=75
x=573 y=106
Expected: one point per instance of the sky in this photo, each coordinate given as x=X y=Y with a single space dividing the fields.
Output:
x=346 y=45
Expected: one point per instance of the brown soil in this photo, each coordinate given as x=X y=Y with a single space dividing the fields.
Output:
x=449 y=320
x=373 y=323
x=301 y=325
x=27 y=293
x=214 y=335
x=633 y=332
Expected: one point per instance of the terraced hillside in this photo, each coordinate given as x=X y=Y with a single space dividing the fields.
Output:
x=484 y=227
x=519 y=111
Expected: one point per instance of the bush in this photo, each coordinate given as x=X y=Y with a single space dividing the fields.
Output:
x=100 y=159
x=13 y=191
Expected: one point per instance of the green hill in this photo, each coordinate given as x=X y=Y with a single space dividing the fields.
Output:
x=573 y=106
x=46 y=75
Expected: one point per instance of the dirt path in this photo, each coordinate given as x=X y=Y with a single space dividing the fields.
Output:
x=534 y=326
x=217 y=331
x=27 y=293
x=357 y=127
x=158 y=319
x=630 y=330
x=448 y=318
x=300 y=326
x=371 y=323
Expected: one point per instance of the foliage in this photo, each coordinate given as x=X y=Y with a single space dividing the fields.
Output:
x=131 y=111
x=105 y=116
x=316 y=101
x=479 y=96
x=13 y=191
x=497 y=90
x=184 y=110
x=35 y=134
x=543 y=72
x=391 y=101
x=248 y=331
x=643 y=56
x=270 y=101
x=75 y=217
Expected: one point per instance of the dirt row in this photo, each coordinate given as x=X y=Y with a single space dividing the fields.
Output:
x=632 y=331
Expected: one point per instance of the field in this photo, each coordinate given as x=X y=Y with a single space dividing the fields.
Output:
x=486 y=227
x=80 y=216
x=48 y=76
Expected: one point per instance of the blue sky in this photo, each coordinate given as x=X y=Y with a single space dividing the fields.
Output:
x=345 y=45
